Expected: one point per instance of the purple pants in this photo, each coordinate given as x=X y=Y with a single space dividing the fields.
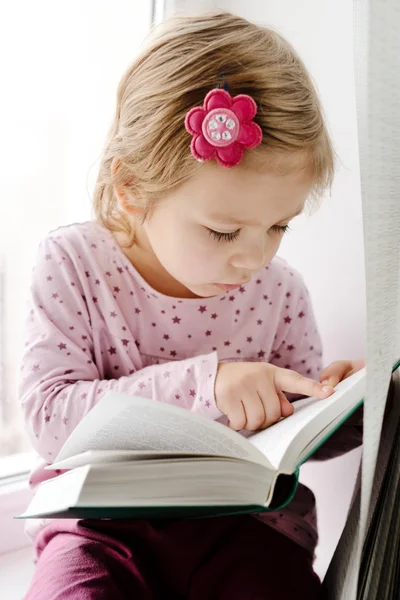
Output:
x=228 y=558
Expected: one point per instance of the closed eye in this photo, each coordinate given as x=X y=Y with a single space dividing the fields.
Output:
x=280 y=228
x=221 y=236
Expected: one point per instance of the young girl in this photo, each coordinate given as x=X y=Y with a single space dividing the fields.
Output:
x=174 y=293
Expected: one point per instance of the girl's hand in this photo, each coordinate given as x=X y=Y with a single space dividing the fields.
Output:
x=251 y=394
x=339 y=370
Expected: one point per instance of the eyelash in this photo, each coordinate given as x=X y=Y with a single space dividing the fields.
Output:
x=231 y=237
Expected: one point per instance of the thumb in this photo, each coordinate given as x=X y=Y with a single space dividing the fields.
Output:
x=335 y=372
x=287 y=407
x=333 y=380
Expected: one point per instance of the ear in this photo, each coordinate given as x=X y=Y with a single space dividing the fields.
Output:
x=123 y=197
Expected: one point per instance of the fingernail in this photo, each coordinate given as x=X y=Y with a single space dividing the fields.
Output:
x=327 y=388
x=325 y=382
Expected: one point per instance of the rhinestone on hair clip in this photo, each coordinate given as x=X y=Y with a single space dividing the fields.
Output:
x=222 y=128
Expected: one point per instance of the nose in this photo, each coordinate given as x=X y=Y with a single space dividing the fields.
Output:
x=251 y=257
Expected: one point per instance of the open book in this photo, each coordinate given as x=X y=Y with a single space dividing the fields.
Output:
x=134 y=457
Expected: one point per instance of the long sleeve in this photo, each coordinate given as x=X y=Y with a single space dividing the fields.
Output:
x=298 y=344
x=60 y=379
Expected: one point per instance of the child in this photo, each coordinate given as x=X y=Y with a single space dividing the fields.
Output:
x=174 y=293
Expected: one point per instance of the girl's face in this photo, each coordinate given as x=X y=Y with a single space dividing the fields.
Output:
x=219 y=228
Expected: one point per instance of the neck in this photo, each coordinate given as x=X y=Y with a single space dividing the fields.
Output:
x=142 y=257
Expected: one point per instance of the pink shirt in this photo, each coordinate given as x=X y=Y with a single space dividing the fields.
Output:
x=95 y=325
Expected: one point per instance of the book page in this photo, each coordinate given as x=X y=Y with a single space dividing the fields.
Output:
x=92 y=457
x=123 y=422
x=275 y=441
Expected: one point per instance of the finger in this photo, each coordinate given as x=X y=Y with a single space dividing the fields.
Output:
x=290 y=381
x=287 y=407
x=255 y=411
x=236 y=416
x=272 y=406
x=335 y=372
x=356 y=365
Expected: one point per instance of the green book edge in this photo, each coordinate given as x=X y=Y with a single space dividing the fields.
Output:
x=280 y=499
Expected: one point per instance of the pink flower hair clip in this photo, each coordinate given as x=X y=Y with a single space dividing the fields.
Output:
x=222 y=128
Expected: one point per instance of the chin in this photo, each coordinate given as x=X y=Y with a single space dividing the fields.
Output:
x=204 y=291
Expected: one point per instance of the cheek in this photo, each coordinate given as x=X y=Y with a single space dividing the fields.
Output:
x=185 y=252
x=201 y=258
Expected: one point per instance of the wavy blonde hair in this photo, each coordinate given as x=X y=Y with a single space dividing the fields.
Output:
x=183 y=59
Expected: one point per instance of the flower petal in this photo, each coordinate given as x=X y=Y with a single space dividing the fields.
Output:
x=201 y=149
x=244 y=107
x=229 y=156
x=194 y=119
x=250 y=135
x=217 y=98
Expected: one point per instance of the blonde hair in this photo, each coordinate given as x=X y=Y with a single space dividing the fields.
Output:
x=183 y=59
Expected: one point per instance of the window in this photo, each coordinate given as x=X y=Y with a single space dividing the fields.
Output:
x=61 y=68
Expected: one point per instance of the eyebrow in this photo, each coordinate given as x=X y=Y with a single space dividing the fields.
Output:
x=233 y=221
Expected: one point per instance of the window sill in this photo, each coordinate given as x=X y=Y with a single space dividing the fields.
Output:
x=15 y=495
x=16 y=573
x=16 y=465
